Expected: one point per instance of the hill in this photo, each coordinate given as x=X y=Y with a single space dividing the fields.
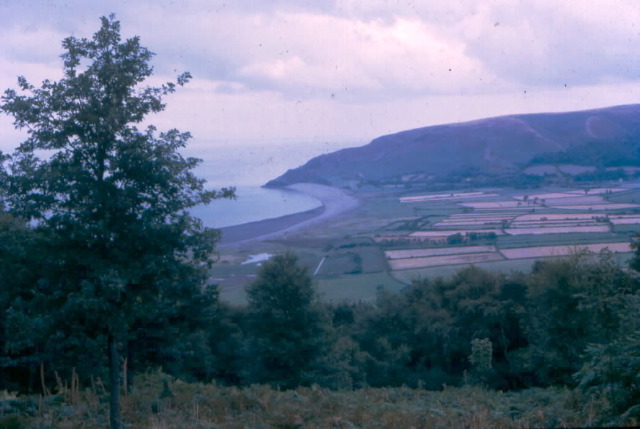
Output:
x=500 y=147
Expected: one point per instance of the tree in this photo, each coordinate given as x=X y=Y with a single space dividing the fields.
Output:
x=287 y=325
x=112 y=198
x=573 y=302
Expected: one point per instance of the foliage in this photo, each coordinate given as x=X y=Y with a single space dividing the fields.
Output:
x=287 y=326
x=199 y=405
x=600 y=153
x=573 y=302
x=481 y=353
x=611 y=369
x=111 y=200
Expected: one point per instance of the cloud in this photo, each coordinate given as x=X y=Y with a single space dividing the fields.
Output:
x=268 y=71
x=302 y=54
x=389 y=57
x=556 y=43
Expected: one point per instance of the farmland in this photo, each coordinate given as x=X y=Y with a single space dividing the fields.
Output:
x=393 y=237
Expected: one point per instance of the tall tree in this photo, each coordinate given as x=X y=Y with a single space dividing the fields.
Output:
x=288 y=327
x=114 y=197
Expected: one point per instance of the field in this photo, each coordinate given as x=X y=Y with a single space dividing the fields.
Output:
x=445 y=197
x=544 y=229
x=445 y=233
x=392 y=238
x=433 y=261
x=624 y=219
x=438 y=251
x=547 y=251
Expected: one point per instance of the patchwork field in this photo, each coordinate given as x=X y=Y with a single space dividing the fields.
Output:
x=391 y=238
x=547 y=217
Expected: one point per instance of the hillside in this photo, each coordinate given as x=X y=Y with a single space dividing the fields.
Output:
x=493 y=147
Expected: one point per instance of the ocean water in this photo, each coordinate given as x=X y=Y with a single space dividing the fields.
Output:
x=254 y=203
x=248 y=168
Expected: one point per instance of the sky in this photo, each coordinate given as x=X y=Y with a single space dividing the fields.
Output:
x=307 y=73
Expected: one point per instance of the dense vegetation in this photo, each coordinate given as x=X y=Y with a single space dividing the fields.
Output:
x=599 y=153
x=569 y=323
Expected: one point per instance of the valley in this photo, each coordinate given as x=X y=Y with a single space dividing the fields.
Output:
x=390 y=237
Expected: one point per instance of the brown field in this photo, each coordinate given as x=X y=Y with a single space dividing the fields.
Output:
x=575 y=199
x=624 y=219
x=546 y=251
x=488 y=205
x=547 y=195
x=554 y=223
x=555 y=216
x=434 y=261
x=444 y=197
x=480 y=217
x=475 y=220
x=596 y=207
x=438 y=251
x=557 y=230
x=445 y=233
x=473 y=223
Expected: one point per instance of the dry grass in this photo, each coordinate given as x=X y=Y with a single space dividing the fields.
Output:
x=434 y=261
x=207 y=406
x=445 y=197
x=546 y=251
x=557 y=230
x=438 y=251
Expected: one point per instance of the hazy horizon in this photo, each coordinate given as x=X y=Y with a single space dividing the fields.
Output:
x=305 y=73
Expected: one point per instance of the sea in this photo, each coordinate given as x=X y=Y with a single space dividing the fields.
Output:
x=247 y=167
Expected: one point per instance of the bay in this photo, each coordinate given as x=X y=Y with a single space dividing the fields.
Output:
x=247 y=168
x=254 y=203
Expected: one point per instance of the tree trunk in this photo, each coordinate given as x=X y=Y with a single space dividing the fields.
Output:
x=130 y=365
x=114 y=383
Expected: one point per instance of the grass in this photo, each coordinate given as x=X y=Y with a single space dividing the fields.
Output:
x=432 y=261
x=354 y=288
x=196 y=405
x=504 y=266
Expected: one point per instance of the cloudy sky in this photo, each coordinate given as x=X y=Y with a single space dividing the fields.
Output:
x=308 y=72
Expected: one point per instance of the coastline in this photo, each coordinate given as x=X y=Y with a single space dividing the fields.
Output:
x=334 y=201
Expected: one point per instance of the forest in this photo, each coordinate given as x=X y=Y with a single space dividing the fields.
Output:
x=104 y=278
x=570 y=323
